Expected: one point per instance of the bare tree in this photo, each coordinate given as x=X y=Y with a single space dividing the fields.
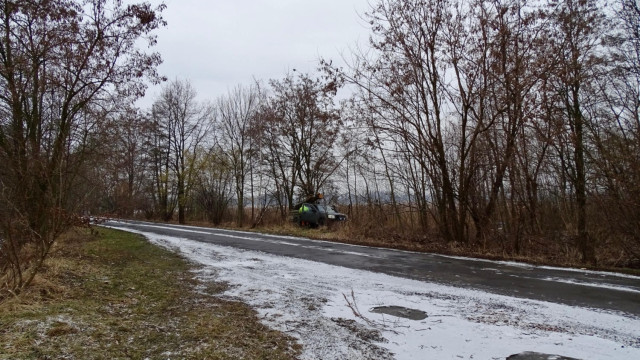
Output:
x=405 y=86
x=60 y=61
x=449 y=84
x=579 y=26
x=119 y=170
x=161 y=184
x=214 y=187
x=298 y=128
x=509 y=67
x=236 y=114
x=184 y=122
x=618 y=138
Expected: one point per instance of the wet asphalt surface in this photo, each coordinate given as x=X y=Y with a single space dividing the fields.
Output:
x=611 y=292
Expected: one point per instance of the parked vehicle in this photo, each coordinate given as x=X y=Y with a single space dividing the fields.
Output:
x=311 y=213
x=329 y=214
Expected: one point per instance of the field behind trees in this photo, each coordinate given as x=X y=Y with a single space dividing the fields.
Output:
x=508 y=128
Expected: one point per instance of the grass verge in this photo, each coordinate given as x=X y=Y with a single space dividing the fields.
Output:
x=115 y=296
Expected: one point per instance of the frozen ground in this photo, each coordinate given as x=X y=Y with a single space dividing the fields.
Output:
x=327 y=308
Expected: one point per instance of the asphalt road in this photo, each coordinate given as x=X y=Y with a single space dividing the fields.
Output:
x=607 y=291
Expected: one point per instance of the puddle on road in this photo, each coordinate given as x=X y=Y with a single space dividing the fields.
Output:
x=537 y=356
x=400 y=311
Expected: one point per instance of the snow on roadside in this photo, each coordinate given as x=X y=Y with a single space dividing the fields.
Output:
x=315 y=302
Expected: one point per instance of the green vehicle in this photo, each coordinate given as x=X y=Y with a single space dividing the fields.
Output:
x=313 y=215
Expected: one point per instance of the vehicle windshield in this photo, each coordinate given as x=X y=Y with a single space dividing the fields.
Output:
x=327 y=209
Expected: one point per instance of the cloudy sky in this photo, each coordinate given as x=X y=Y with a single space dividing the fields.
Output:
x=223 y=43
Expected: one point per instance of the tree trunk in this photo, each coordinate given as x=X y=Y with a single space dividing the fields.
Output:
x=585 y=244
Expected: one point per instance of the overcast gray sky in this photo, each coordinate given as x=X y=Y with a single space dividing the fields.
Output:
x=223 y=43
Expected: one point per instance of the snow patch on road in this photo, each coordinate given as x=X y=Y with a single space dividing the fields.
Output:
x=327 y=308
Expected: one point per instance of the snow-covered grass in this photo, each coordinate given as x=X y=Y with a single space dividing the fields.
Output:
x=327 y=308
